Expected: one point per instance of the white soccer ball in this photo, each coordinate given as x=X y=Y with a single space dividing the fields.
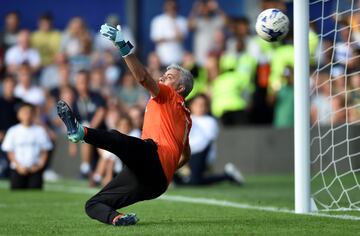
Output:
x=272 y=25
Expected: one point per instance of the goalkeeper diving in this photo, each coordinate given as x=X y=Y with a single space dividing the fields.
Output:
x=150 y=162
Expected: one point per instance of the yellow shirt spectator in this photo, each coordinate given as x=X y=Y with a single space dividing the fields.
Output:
x=46 y=40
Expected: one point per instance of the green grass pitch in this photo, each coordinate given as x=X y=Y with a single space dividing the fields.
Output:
x=59 y=210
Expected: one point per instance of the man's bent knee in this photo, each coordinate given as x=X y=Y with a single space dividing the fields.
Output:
x=89 y=206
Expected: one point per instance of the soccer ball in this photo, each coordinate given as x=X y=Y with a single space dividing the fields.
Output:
x=272 y=25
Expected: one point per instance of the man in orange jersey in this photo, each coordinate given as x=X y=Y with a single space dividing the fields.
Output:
x=151 y=161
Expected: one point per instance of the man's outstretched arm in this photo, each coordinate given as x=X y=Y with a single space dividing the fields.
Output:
x=141 y=74
x=137 y=69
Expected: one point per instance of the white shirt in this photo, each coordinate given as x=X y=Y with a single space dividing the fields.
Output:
x=343 y=52
x=33 y=95
x=203 y=132
x=17 y=56
x=323 y=108
x=204 y=37
x=26 y=143
x=50 y=77
x=70 y=45
x=165 y=27
x=135 y=133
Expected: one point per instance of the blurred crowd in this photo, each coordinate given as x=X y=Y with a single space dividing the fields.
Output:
x=243 y=79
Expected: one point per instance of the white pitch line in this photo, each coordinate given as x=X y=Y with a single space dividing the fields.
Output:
x=215 y=202
x=206 y=201
x=71 y=189
x=202 y=201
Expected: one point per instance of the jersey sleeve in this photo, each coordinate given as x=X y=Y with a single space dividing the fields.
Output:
x=10 y=57
x=165 y=94
x=8 y=143
x=44 y=140
x=183 y=26
x=156 y=32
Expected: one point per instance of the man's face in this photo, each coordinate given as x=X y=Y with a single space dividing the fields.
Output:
x=199 y=106
x=11 y=22
x=171 y=78
x=24 y=76
x=82 y=83
x=8 y=86
x=44 y=25
x=170 y=7
x=24 y=39
x=25 y=115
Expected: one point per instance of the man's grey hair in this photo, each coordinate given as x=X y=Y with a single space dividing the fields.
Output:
x=186 y=78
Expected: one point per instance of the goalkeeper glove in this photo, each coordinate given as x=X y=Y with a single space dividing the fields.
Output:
x=115 y=35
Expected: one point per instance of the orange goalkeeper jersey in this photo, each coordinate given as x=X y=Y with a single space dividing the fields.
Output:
x=167 y=121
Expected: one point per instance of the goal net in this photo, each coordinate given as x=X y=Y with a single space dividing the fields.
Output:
x=335 y=104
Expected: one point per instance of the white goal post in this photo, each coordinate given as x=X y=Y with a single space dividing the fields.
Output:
x=302 y=107
x=327 y=105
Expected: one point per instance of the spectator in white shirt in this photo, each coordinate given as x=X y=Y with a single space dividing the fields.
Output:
x=27 y=147
x=202 y=139
x=325 y=108
x=25 y=90
x=206 y=18
x=22 y=53
x=168 y=32
x=56 y=74
x=76 y=39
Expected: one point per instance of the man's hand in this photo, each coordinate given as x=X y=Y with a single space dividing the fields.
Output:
x=21 y=170
x=115 y=35
x=35 y=168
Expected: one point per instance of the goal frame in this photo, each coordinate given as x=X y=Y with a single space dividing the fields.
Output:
x=302 y=107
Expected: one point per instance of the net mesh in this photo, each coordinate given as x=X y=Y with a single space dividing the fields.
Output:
x=335 y=104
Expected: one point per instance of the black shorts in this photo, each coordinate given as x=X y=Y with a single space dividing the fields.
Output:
x=142 y=178
x=31 y=181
